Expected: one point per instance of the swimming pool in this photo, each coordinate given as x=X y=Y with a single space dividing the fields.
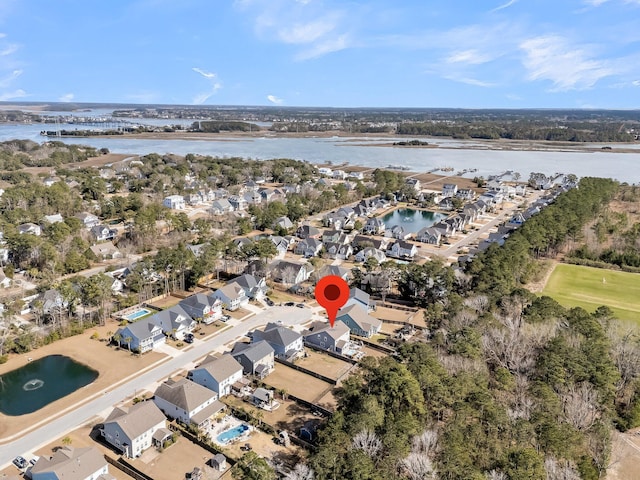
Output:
x=233 y=433
x=137 y=314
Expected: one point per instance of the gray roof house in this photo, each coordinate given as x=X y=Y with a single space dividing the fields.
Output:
x=362 y=298
x=217 y=373
x=69 y=463
x=290 y=272
x=323 y=336
x=429 y=235
x=141 y=336
x=286 y=343
x=374 y=226
x=232 y=296
x=359 y=321
x=254 y=287
x=187 y=402
x=175 y=322
x=199 y=305
x=256 y=358
x=220 y=206
x=131 y=430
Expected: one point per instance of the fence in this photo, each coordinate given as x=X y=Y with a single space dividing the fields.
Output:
x=308 y=372
x=331 y=354
x=209 y=447
x=125 y=467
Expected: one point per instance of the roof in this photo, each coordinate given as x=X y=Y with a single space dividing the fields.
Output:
x=277 y=335
x=333 y=270
x=198 y=299
x=246 y=281
x=208 y=411
x=69 y=463
x=263 y=394
x=253 y=352
x=142 y=328
x=104 y=249
x=360 y=317
x=222 y=367
x=137 y=419
x=338 y=330
x=175 y=315
x=231 y=290
x=359 y=295
x=184 y=394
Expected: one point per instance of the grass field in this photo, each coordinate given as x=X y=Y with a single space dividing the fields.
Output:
x=589 y=288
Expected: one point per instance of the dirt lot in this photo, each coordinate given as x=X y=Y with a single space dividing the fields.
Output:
x=324 y=364
x=371 y=352
x=263 y=445
x=625 y=455
x=166 y=302
x=387 y=313
x=297 y=383
x=83 y=349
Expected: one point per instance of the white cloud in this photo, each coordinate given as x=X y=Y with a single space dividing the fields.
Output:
x=471 y=57
x=67 y=97
x=215 y=86
x=471 y=81
x=636 y=83
x=597 y=3
x=8 y=50
x=322 y=48
x=13 y=95
x=275 y=100
x=504 y=5
x=567 y=66
x=8 y=79
x=306 y=32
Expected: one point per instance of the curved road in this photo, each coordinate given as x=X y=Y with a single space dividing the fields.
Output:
x=84 y=413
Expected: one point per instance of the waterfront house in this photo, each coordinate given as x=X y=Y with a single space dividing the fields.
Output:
x=69 y=463
x=131 y=430
x=401 y=249
x=256 y=358
x=398 y=232
x=359 y=321
x=414 y=183
x=141 y=336
x=449 y=190
x=174 y=202
x=286 y=343
x=187 y=402
x=175 y=322
x=465 y=194
x=232 y=296
x=217 y=373
x=323 y=336
x=201 y=306
x=374 y=226
x=429 y=235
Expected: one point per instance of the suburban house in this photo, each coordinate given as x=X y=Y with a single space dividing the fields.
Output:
x=367 y=252
x=89 y=220
x=449 y=190
x=30 y=228
x=202 y=306
x=188 y=402
x=361 y=241
x=286 y=343
x=398 y=232
x=51 y=302
x=256 y=358
x=362 y=298
x=359 y=321
x=51 y=219
x=325 y=337
x=102 y=233
x=331 y=236
x=105 y=251
x=254 y=287
x=414 y=183
x=283 y=222
x=337 y=270
x=338 y=251
x=231 y=295
x=307 y=231
x=465 y=194
x=140 y=336
x=429 y=235
x=309 y=247
x=238 y=202
x=175 y=322
x=221 y=206
x=290 y=273
x=401 y=249
x=174 y=202
x=374 y=226
x=217 y=373
x=69 y=463
x=218 y=462
x=131 y=430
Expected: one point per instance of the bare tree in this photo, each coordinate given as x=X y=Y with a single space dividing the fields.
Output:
x=417 y=466
x=463 y=319
x=625 y=349
x=495 y=475
x=480 y=303
x=368 y=442
x=426 y=442
x=523 y=404
x=560 y=469
x=300 y=472
x=580 y=405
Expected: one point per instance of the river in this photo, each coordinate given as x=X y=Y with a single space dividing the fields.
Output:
x=362 y=151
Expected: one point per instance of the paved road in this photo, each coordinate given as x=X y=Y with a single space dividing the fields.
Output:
x=61 y=426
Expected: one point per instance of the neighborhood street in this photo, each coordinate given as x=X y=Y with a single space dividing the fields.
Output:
x=102 y=403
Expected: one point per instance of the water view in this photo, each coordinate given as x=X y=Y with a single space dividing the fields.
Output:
x=411 y=220
x=38 y=383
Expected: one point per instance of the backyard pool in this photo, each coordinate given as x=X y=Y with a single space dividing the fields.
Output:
x=232 y=434
x=137 y=314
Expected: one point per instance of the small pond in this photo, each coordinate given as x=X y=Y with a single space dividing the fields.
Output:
x=411 y=220
x=40 y=382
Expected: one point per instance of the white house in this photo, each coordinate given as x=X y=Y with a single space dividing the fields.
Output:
x=69 y=463
x=401 y=249
x=374 y=226
x=175 y=322
x=174 y=202
x=206 y=307
x=30 y=228
x=132 y=430
x=449 y=190
x=140 y=336
x=232 y=296
x=187 y=402
x=217 y=374
x=254 y=287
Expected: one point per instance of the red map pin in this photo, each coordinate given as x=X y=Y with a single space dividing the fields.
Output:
x=332 y=292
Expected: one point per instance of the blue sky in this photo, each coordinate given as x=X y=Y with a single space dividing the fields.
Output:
x=341 y=53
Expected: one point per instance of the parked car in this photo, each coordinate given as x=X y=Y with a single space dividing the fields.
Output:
x=289 y=304
x=188 y=338
x=224 y=318
x=20 y=462
x=300 y=305
x=269 y=302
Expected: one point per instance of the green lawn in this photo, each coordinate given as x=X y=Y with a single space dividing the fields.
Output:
x=589 y=288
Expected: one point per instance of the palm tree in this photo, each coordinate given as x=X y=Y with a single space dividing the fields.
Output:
x=128 y=340
x=67 y=440
x=116 y=338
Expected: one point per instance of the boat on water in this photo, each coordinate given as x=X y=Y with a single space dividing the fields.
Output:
x=397 y=167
